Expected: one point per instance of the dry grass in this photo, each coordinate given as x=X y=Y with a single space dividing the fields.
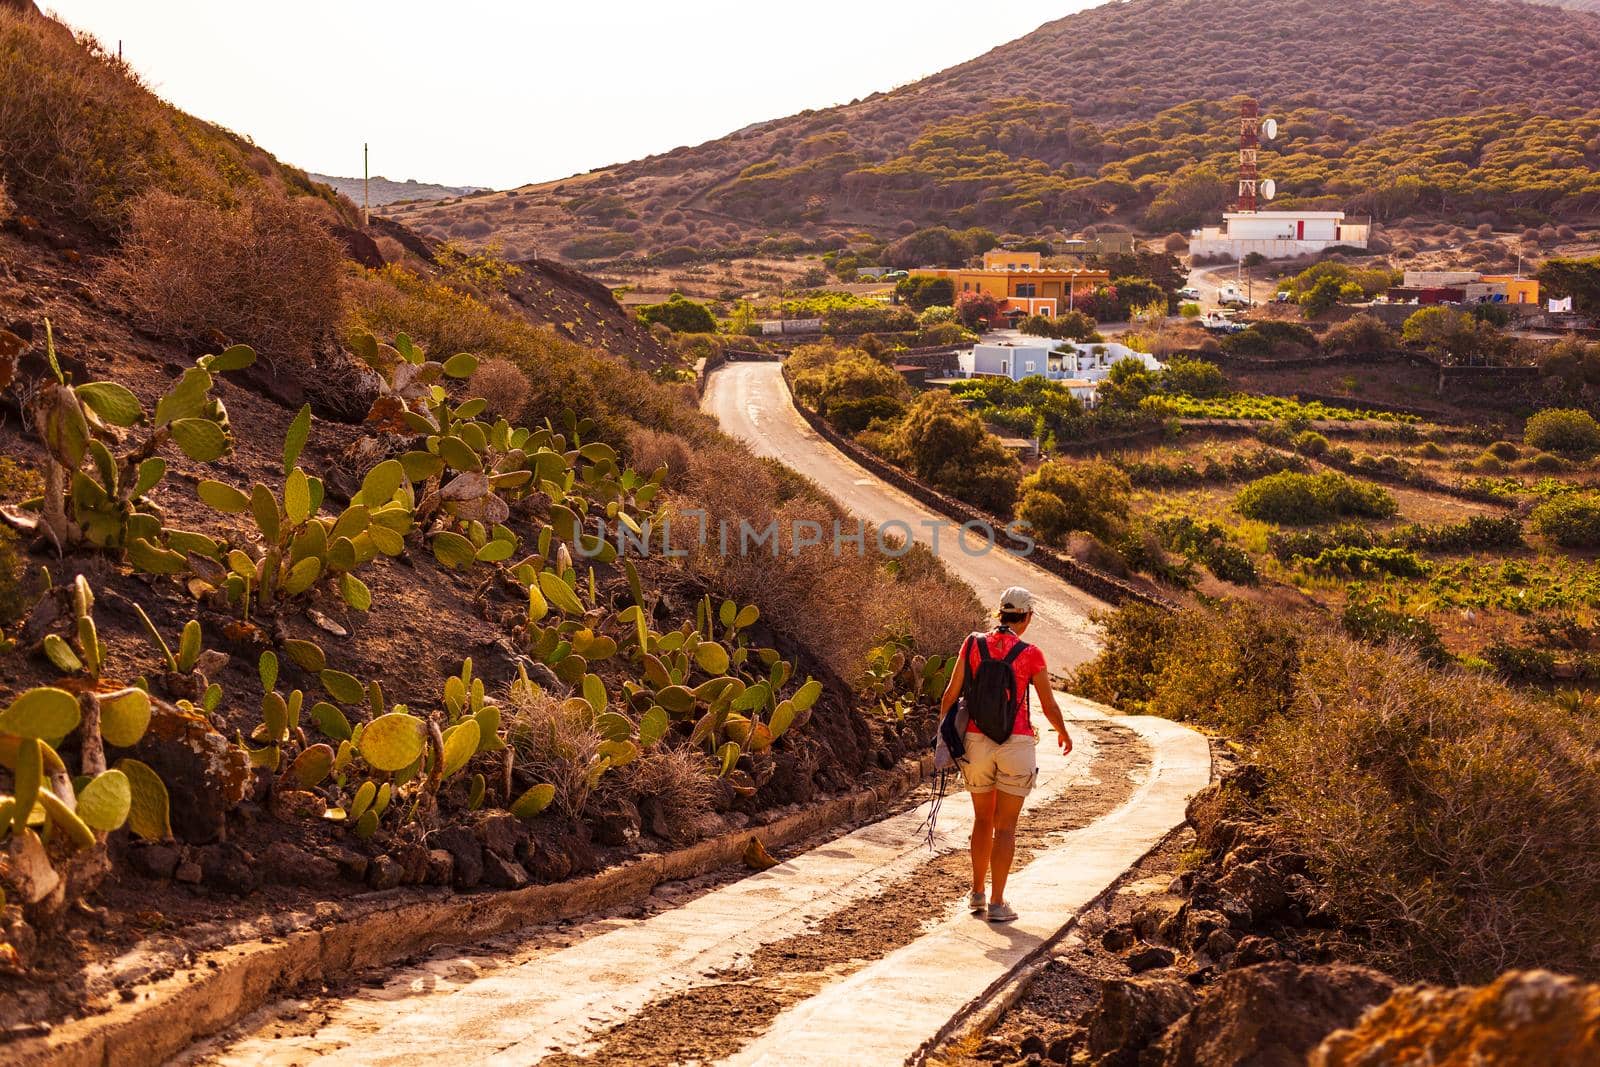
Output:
x=266 y=274
x=1451 y=817
x=555 y=742
x=838 y=606
x=502 y=386
x=80 y=136
x=676 y=782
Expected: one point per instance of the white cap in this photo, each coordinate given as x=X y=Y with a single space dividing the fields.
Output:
x=1016 y=599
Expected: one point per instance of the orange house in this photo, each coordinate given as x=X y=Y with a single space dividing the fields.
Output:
x=1021 y=283
x=1519 y=290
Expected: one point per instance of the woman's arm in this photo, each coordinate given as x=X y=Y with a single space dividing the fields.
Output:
x=952 y=689
x=1052 y=711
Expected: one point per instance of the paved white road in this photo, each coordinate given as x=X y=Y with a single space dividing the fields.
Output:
x=752 y=402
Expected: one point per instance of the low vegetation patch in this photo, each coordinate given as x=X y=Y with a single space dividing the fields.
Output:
x=1437 y=811
x=1298 y=499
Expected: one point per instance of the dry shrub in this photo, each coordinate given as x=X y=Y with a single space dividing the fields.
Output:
x=5 y=202
x=555 y=741
x=564 y=376
x=1451 y=817
x=81 y=137
x=266 y=274
x=650 y=450
x=502 y=386
x=676 y=783
x=837 y=606
x=390 y=249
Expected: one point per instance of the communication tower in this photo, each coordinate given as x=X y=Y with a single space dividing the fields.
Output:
x=1251 y=131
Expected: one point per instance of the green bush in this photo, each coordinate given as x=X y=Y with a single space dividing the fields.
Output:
x=948 y=447
x=1571 y=520
x=1448 y=818
x=1194 y=377
x=1229 y=669
x=1297 y=499
x=680 y=315
x=1061 y=497
x=1569 y=431
x=1377 y=624
x=1311 y=443
x=1505 y=450
x=1400 y=562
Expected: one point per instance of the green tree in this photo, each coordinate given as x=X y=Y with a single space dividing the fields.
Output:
x=948 y=447
x=1061 y=497
x=1323 y=294
x=1455 y=336
x=1194 y=377
x=922 y=291
x=1577 y=278
x=680 y=315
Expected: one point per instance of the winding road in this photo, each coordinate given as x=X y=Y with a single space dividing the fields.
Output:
x=857 y=950
x=752 y=402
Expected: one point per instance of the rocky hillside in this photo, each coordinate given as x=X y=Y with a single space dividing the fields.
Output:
x=291 y=576
x=1121 y=113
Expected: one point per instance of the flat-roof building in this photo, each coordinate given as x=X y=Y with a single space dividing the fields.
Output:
x=1021 y=283
x=1279 y=234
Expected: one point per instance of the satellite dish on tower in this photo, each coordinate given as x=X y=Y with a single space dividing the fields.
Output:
x=1269 y=188
x=1269 y=129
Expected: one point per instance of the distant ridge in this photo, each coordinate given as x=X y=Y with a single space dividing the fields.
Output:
x=385 y=191
x=1122 y=114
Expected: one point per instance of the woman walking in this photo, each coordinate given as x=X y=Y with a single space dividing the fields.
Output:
x=993 y=741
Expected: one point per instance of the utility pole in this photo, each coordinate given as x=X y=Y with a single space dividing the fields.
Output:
x=366 y=210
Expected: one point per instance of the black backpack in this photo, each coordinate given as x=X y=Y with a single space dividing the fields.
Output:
x=990 y=692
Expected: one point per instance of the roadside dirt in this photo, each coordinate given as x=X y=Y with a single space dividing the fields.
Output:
x=711 y=1021
x=1043 y=1021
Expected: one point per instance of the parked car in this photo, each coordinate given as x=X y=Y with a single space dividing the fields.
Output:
x=895 y=275
x=1188 y=292
x=1217 y=322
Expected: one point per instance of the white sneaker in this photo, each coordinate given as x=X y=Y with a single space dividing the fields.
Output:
x=977 y=903
x=1000 y=912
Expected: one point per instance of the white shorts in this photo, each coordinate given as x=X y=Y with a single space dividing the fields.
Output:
x=1010 y=768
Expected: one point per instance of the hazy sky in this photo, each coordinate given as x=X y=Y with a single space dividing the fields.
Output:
x=494 y=92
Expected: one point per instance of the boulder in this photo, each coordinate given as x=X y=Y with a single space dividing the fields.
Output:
x=155 y=860
x=1133 y=1013
x=290 y=864
x=618 y=825
x=1523 y=1019
x=384 y=873
x=1253 y=950
x=501 y=833
x=1198 y=925
x=229 y=868
x=1118 y=937
x=1271 y=1015
x=502 y=873
x=352 y=864
x=1256 y=884
x=1150 y=958
x=441 y=867
x=206 y=774
x=1160 y=919
x=465 y=850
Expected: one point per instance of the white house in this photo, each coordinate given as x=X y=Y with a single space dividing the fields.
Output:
x=1079 y=366
x=1279 y=234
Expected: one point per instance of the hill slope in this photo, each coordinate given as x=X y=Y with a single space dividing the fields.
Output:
x=1074 y=123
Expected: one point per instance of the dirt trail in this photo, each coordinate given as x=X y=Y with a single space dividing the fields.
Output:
x=710 y=1022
